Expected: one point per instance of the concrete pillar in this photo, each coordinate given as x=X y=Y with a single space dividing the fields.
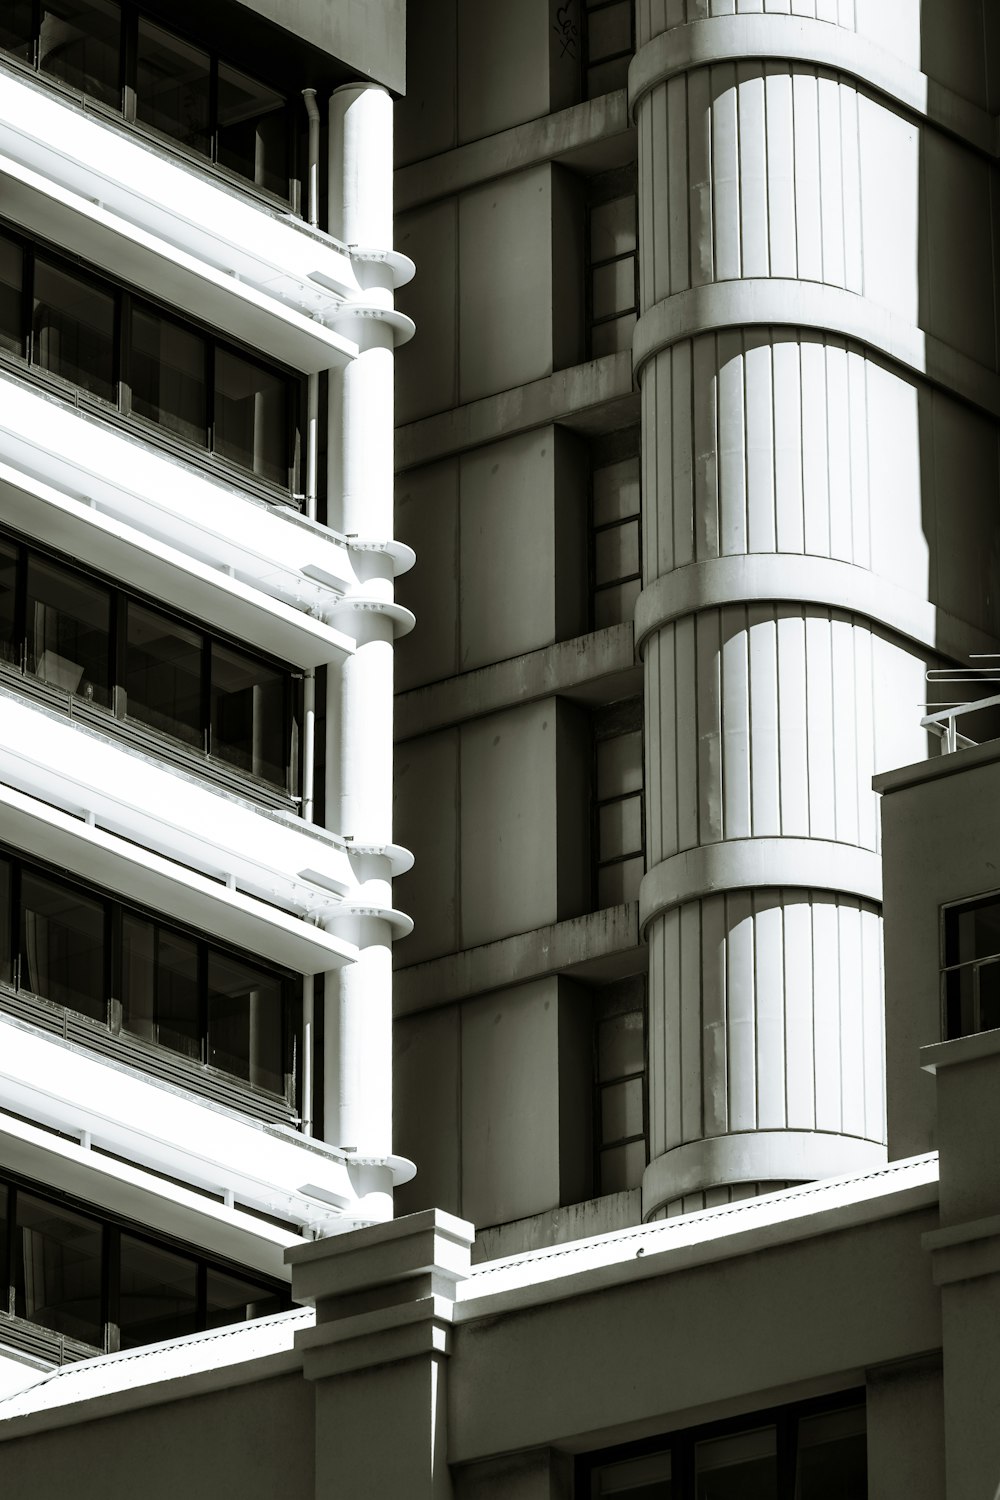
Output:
x=771 y=658
x=965 y=1255
x=358 y=1035
x=384 y=1298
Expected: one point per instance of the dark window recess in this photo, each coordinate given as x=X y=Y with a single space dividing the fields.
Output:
x=816 y=1450
x=615 y=528
x=148 y=364
x=620 y=1103
x=612 y=261
x=970 y=978
x=609 y=41
x=82 y=951
x=92 y=641
x=619 y=834
x=96 y=1285
x=158 y=79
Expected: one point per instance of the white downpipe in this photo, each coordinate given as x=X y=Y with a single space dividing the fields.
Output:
x=309 y=681
x=358 y=1052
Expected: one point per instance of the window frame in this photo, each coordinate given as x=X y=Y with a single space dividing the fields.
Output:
x=614 y=721
x=116 y=718
x=120 y=409
x=627 y=997
x=605 y=453
x=113 y=1024
x=112 y=1227
x=126 y=112
x=971 y=965
x=680 y=1445
x=608 y=187
x=589 y=7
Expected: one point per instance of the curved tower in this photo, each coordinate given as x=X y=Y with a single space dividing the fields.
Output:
x=802 y=400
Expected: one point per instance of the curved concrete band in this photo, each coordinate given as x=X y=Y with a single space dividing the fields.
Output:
x=748 y=864
x=798 y=39
x=794 y=577
x=777 y=302
x=755 y=1156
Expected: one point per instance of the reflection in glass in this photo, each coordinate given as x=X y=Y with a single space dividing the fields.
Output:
x=80 y=42
x=621 y=1110
x=252 y=126
x=160 y=985
x=62 y=945
x=173 y=87
x=67 y=625
x=251 y=416
x=11 y=299
x=231 y=1299
x=73 y=329
x=636 y=1479
x=8 y=603
x=245 y=1022
x=163 y=674
x=621 y=1167
x=6 y=955
x=833 y=1456
x=167 y=371
x=16 y=28
x=620 y=1045
x=972 y=931
x=57 y=1269
x=248 y=717
x=619 y=882
x=741 y=1467
x=159 y=1293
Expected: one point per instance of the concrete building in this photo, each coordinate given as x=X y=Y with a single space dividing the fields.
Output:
x=697 y=451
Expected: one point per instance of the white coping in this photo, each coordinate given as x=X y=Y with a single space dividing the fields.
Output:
x=153 y=1373
x=249 y=1351
x=711 y=1234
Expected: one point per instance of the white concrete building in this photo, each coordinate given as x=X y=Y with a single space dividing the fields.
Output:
x=697 y=452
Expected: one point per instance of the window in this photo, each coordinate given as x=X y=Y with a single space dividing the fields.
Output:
x=96 y=1286
x=616 y=540
x=620 y=1104
x=970 y=979
x=619 y=839
x=91 y=641
x=612 y=261
x=609 y=45
x=816 y=1450
x=158 y=79
x=136 y=976
x=147 y=364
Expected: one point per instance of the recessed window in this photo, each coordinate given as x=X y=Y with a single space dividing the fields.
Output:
x=158 y=79
x=613 y=275
x=149 y=364
x=609 y=45
x=971 y=971
x=620 y=1107
x=78 y=949
x=94 y=1285
x=815 y=1450
x=618 y=803
x=87 y=640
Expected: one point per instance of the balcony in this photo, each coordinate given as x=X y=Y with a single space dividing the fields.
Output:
x=263 y=881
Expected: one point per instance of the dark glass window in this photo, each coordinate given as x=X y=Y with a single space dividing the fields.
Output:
x=971 y=973
x=73 y=329
x=57 y=1269
x=163 y=674
x=11 y=296
x=616 y=544
x=252 y=130
x=833 y=1456
x=159 y=1293
x=742 y=1466
x=9 y=650
x=173 y=87
x=80 y=42
x=62 y=945
x=232 y=1299
x=248 y=713
x=16 y=28
x=613 y=277
x=245 y=1022
x=6 y=950
x=251 y=416
x=620 y=1085
x=618 y=802
x=67 y=630
x=160 y=992
x=168 y=374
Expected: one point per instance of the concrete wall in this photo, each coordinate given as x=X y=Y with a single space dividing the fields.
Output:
x=497 y=814
x=256 y=1441
x=475 y=70
x=498 y=298
x=493 y=1098
x=481 y=590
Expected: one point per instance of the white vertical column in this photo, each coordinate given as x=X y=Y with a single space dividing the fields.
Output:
x=358 y=1017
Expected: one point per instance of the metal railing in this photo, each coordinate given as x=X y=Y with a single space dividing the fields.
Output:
x=943 y=721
